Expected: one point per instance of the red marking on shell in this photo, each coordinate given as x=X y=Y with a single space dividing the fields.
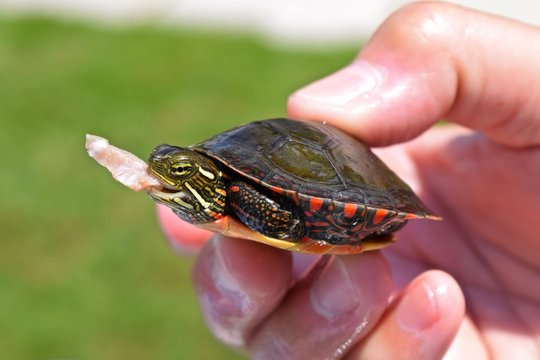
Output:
x=379 y=216
x=235 y=188
x=315 y=203
x=349 y=210
x=276 y=189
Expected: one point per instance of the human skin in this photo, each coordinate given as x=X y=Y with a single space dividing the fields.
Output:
x=481 y=173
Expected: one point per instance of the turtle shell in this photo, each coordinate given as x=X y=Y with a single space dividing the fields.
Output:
x=346 y=192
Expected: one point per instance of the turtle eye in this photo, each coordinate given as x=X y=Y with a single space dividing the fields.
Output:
x=181 y=169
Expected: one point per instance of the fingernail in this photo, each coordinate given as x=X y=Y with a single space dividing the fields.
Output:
x=419 y=310
x=221 y=296
x=333 y=293
x=346 y=88
x=223 y=302
x=221 y=274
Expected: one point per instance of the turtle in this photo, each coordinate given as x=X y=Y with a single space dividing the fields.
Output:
x=303 y=186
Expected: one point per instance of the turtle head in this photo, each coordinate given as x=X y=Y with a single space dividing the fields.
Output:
x=192 y=183
x=177 y=167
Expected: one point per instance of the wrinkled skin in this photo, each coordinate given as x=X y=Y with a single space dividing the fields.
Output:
x=428 y=61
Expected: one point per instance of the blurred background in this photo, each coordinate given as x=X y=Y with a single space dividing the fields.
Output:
x=84 y=270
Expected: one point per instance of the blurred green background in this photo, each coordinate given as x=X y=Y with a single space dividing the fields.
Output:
x=84 y=270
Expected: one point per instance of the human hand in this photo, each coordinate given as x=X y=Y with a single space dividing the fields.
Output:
x=426 y=62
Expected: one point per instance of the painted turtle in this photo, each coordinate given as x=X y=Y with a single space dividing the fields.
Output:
x=302 y=186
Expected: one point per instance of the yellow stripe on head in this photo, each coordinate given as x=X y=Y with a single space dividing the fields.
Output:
x=208 y=174
x=198 y=196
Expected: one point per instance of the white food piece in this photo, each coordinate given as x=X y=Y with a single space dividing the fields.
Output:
x=123 y=165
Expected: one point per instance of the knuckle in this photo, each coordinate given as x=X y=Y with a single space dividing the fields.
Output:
x=427 y=26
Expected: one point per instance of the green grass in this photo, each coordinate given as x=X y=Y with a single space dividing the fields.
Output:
x=84 y=270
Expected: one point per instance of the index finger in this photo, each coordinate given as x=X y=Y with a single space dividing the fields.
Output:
x=431 y=61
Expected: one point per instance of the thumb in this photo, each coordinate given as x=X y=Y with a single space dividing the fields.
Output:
x=432 y=61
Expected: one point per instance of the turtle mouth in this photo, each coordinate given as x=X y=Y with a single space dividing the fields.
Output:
x=165 y=196
x=166 y=185
x=168 y=189
x=166 y=193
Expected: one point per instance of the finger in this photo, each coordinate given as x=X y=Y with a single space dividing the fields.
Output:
x=238 y=283
x=421 y=325
x=488 y=179
x=430 y=61
x=185 y=238
x=303 y=264
x=469 y=343
x=327 y=313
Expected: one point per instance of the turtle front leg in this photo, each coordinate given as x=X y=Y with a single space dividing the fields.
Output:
x=276 y=219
